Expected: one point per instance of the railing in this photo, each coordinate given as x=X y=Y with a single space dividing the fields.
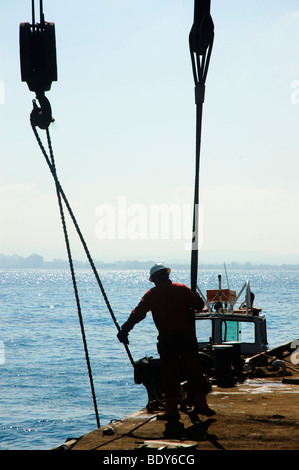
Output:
x=247 y=302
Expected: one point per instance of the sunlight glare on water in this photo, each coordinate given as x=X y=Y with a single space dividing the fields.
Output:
x=45 y=393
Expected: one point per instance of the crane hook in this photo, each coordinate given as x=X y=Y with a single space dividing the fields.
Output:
x=38 y=64
x=41 y=116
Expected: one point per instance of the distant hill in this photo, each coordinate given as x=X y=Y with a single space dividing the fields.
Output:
x=36 y=261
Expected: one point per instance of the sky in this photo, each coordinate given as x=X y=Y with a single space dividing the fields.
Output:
x=124 y=133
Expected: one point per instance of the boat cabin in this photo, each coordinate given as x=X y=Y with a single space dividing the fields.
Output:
x=220 y=323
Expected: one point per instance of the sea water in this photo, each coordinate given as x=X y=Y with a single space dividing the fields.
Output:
x=45 y=394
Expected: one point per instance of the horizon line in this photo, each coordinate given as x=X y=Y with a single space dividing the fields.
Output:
x=37 y=261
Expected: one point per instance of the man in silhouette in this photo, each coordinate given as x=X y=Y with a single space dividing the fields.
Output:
x=172 y=306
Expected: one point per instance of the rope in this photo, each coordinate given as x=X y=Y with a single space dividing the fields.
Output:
x=61 y=196
x=53 y=171
x=91 y=262
x=42 y=117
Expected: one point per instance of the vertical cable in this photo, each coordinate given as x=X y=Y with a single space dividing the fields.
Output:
x=200 y=43
x=73 y=275
x=33 y=14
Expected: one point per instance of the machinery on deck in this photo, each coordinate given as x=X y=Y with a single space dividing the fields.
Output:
x=232 y=341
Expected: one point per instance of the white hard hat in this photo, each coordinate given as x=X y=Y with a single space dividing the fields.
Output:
x=157 y=267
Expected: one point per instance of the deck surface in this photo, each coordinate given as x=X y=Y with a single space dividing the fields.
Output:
x=259 y=414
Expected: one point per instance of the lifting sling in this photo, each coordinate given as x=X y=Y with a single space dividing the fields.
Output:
x=201 y=39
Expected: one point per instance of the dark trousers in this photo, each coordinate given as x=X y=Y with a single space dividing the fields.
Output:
x=180 y=361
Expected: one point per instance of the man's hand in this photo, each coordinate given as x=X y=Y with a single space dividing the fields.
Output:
x=123 y=337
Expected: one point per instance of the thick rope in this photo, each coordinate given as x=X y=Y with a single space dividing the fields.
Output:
x=91 y=262
x=76 y=225
x=53 y=171
x=73 y=276
x=51 y=165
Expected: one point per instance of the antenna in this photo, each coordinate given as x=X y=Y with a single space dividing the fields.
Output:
x=226 y=275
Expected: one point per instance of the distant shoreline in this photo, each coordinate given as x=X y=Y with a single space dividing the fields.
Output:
x=35 y=261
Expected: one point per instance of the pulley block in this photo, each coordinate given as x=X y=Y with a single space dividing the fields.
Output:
x=38 y=56
x=38 y=53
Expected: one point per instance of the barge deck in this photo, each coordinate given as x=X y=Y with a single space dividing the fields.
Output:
x=259 y=414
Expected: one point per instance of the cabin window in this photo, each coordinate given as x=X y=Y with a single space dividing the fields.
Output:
x=237 y=331
x=203 y=330
x=247 y=332
x=229 y=330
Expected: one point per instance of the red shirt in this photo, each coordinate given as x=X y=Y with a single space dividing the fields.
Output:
x=172 y=307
